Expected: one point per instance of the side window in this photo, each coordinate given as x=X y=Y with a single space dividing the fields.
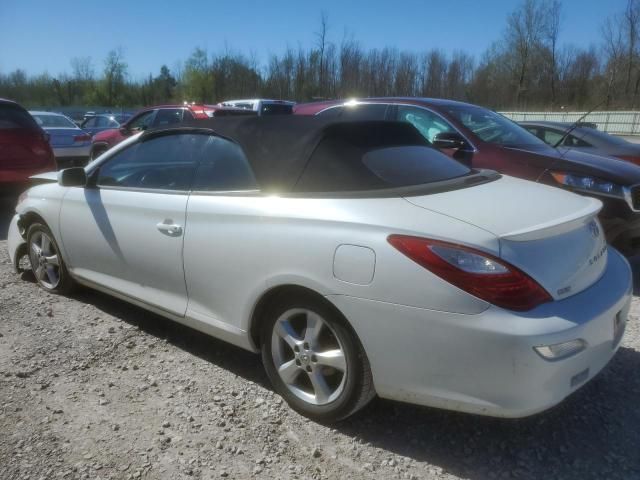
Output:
x=102 y=122
x=168 y=116
x=572 y=141
x=187 y=115
x=142 y=121
x=551 y=136
x=223 y=167
x=371 y=111
x=427 y=123
x=536 y=131
x=165 y=163
x=90 y=122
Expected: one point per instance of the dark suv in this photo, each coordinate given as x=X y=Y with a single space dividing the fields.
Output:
x=482 y=138
x=24 y=148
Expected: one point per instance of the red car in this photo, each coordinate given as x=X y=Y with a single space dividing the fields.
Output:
x=158 y=116
x=482 y=138
x=24 y=147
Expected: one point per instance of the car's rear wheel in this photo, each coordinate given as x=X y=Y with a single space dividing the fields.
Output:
x=314 y=360
x=46 y=262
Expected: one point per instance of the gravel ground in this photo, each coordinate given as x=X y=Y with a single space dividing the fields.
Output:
x=91 y=387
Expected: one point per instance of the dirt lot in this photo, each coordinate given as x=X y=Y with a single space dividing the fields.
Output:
x=91 y=387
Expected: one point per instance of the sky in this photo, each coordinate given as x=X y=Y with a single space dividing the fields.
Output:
x=44 y=35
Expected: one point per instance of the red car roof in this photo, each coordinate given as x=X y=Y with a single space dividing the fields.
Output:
x=315 y=107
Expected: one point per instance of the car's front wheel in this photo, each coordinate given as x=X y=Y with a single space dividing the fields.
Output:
x=46 y=262
x=314 y=360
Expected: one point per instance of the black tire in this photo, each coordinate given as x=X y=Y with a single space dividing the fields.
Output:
x=357 y=389
x=64 y=284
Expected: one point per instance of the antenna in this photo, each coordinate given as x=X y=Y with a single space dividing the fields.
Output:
x=576 y=124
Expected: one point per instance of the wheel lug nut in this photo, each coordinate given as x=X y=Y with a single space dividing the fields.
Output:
x=296 y=348
x=298 y=362
x=313 y=358
x=306 y=346
x=308 y=369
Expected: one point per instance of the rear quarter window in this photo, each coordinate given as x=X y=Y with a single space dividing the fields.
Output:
x=357 y=160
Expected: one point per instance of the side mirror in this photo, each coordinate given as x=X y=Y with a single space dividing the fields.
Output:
x=449 y=140
x=72 y=177
x=124 y=130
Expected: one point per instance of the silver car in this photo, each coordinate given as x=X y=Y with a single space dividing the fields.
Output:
x=70 y=143
x=355 y=257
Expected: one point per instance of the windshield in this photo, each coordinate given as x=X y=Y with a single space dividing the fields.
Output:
x=602 y=136
x=53 y=121
x=492 y=127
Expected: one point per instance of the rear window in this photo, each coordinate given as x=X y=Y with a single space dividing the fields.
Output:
x=361 y=111
x=15 y=117
x=53 y=121
x=355 y=159
x=276 y=109
x=230 y=113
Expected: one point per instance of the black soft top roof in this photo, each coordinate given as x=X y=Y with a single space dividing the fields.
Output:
x=278 y=147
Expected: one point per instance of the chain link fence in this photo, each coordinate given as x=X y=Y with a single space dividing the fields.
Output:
x=618 y=123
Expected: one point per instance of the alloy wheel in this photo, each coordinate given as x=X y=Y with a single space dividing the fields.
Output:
x=308 y=356
x=44 y=260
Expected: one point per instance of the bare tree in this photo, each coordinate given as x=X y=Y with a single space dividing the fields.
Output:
x=525 y=31
x=631 y=19
x=614 y=51
x=554 y=10
x=82 y=68
x=435 y=70
x=115 y=72
x=322 y=46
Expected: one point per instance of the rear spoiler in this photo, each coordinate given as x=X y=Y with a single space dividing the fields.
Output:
x=557 y=226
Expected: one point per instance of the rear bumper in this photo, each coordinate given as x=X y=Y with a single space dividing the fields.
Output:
x=80 y=151
x=486 y=363
x=72 y=156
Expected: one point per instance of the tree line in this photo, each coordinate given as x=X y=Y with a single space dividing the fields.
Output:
x=528 y=67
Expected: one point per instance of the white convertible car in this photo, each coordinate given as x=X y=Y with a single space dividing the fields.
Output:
x=355 y=257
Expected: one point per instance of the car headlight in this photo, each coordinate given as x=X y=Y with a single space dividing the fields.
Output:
x=589 y=184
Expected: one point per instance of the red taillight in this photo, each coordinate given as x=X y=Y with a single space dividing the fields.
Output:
x=475 y=272
x=85 y=137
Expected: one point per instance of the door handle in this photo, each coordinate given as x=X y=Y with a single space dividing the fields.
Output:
x=169 y=228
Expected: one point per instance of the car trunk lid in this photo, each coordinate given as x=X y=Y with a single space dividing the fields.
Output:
x=550 y=234
x=62 y=137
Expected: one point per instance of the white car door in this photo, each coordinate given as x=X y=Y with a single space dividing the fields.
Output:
x=124 y=231
x=220 y=229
